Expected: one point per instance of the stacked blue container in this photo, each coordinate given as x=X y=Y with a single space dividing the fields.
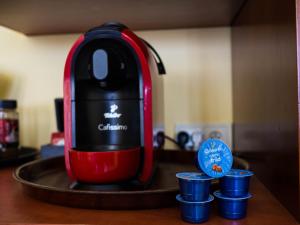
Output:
x=195 y=200
x=234 y=194
x=214 y=160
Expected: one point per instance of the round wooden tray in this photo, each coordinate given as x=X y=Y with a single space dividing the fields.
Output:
x=47 y=180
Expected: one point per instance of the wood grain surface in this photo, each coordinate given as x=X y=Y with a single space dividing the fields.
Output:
x=77 y=16
x=265 y=95
x=15 y=207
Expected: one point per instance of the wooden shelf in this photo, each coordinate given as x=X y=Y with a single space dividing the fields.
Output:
x=36 y=17
x=17 y=207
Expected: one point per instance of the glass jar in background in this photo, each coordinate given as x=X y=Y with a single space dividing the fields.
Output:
x=9 y=129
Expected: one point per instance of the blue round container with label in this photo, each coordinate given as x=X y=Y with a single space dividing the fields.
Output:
x=214 y=158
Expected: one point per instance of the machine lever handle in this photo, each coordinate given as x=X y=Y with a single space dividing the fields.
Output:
x=159 y=62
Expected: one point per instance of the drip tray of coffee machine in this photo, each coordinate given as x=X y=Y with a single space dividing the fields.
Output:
x=47 y=180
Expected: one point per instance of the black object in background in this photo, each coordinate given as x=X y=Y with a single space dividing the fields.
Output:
x=24 y=154
x=182 y=139
x=59 y=112
x=160 y=139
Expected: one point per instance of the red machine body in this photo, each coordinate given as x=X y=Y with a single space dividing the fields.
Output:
x=107 y=166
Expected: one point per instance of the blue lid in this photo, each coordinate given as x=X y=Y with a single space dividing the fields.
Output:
x=193 y=176
x=180 y=199
x=218 y=194
x=239 y=173
x=214 y=158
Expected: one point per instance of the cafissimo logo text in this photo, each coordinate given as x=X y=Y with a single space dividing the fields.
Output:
x=108 y=126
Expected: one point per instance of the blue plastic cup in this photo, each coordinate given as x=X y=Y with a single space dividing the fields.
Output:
x=236 y=183
x=195 y=212
x=194 y=187
x=232 y=208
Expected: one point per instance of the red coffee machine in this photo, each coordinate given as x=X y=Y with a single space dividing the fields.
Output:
x=108 y=87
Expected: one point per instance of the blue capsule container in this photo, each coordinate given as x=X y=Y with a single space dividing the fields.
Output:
x=195 y=212
x=194 y=186
x=236 y=183
x=232 y=208
x=214 y=158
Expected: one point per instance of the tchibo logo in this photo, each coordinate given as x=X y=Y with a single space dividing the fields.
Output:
x=112 y=113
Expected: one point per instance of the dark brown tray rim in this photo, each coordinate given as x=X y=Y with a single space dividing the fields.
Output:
x=91 y=192
x=39 y=186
